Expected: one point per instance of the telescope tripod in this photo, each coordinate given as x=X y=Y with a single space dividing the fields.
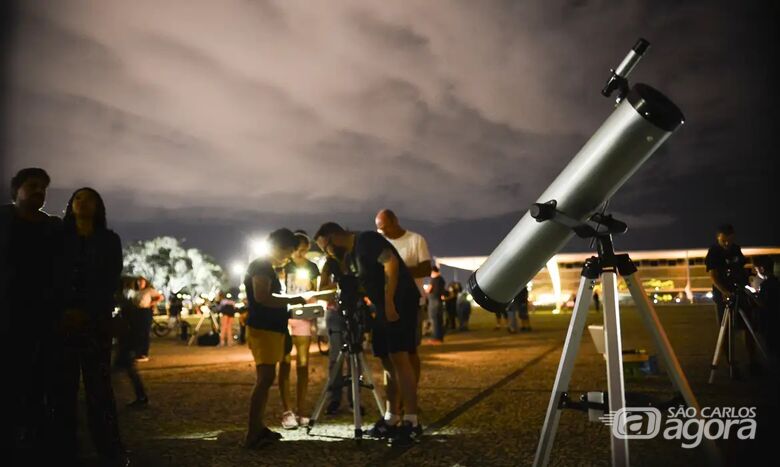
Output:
x=606 y=267
x=733 y=309
x=359 y=377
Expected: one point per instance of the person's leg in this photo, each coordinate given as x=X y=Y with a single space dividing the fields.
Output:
x=224 y=330
x=258 y=401
x=99 y=395
x=511 y=318
x=149 y=317
x=393 y=404
x=65 y=403
x=406 y=384
x=415 y=359
x=284 y=382
x=135 y=330
x=302 y=344
x=440 y=321
x=434 y=313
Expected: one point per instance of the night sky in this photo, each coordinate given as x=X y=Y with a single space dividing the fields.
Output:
x=217 y=121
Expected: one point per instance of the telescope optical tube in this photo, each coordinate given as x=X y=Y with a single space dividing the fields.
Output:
x=632 y=133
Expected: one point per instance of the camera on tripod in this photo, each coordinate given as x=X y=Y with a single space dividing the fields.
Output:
x=352 y=306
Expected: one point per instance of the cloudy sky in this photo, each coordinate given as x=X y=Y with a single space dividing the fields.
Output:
x=218 y=120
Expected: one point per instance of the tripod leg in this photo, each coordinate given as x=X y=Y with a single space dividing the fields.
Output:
x=749 y=327
x=355 y=379
x=370 y=380
x=195 y=333
x=324 y=394
x=673 y=367
x=614 y=351
x=718 y=345
x=565 y=367
x=730 y=343
x=653 y=325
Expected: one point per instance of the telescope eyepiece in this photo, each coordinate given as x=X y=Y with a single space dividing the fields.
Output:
x=619 y=79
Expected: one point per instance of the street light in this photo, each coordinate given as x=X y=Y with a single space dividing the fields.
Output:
x=259 y=247
x=237 y=268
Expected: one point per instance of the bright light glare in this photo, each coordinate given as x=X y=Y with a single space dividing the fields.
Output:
x=237 y=268
x=709 y=294
x=259 y=247
x=302 y=274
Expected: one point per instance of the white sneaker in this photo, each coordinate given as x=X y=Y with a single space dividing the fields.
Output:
x=288 y=421
x=303 y=421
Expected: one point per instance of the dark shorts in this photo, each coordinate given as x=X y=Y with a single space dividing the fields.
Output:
x=400 y=336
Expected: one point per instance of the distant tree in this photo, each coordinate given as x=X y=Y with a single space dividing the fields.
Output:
x=172 y=268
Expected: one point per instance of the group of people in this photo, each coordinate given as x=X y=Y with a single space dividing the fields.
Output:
x=390 y=265
x=60 y=276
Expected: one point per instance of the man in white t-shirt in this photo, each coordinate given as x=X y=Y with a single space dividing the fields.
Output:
x=414 y=251
x=410 y=245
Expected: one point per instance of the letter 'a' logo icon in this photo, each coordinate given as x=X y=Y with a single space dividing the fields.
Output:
x=634 y=422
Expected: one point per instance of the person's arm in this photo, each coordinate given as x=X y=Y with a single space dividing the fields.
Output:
x=719 y=284
x=326 y=278
x=263 y=295
x=421 y=270
x=423 y=267
x=390 y=264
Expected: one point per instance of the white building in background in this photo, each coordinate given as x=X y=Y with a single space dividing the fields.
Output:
x=669 y=276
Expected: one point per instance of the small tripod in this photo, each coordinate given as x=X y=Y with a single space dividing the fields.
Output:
x=205 y=315
x=606 y=266
x=359 y=377
x=734 y=307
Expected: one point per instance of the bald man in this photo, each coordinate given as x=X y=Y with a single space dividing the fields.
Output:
x=413 y=250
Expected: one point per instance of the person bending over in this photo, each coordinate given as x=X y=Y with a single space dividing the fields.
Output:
x=387 y=282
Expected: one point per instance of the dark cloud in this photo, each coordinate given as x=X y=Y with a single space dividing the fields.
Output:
x=240 y=115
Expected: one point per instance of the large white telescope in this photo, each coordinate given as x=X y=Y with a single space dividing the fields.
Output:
x=639 y=125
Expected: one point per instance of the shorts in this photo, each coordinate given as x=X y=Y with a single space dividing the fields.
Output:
x=300 y=327
x=398 y=336
x=267 y=346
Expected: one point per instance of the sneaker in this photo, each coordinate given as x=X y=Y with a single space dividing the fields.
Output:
x=138 y=404
x=288 y=421
x=302 y=421
x=406 y=435
x=381 y=430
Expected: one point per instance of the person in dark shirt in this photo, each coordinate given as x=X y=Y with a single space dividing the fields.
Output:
x=389 y=285
x=725 y=264
x=768 y=299
x=450 y=307
x=29 y=248
x=91 y=268
x=266 y=323
x=436 y=306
